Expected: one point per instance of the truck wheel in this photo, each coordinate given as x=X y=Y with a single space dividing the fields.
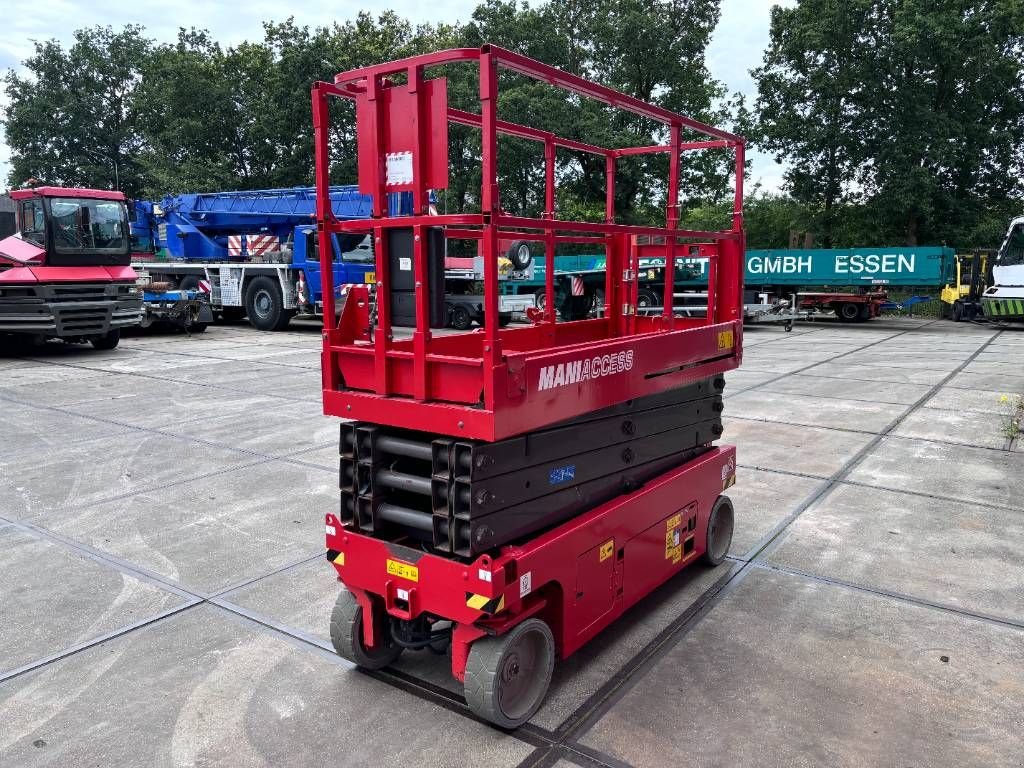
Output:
x=188 y=283
x=645 y=297
x=264 y=305
x=504 y=318
x=198 y=327
x=108 y=340
x=958 y=312
x=720 y=525
x=460 y=318
x=847 y=312
x=507 y=677
x=347 y=636
x=519 y=254
x=865 y=313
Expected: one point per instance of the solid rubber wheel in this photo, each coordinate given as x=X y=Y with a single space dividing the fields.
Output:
x=460 y=318
x=507 y=677
x=347 y=636
x=958 y=312
x=264 y=305
x=848 y=312
x=108 y=340
x=720 y=527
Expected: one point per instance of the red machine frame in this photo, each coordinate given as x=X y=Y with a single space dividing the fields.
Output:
x=578 y=577
x=490 y=385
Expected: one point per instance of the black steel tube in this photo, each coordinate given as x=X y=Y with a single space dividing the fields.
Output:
x=404 y=516
x=400 y=446
x=400 y=481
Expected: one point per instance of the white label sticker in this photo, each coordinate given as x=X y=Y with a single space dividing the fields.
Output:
x=403 y=594
x=404 y=264
x=484 y=575
x=399 y=168
x=525 y=583
x=331 y=531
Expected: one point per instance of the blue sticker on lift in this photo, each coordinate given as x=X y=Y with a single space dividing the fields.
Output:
x=561 y=475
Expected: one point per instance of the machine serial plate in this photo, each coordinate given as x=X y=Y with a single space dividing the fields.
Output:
x=403 y=570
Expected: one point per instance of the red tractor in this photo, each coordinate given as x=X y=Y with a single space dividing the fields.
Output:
x=66 y=273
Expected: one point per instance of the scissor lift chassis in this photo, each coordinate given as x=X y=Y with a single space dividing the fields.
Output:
x=576 y=578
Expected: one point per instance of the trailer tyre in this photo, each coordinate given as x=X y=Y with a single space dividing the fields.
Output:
x=647 y=298
x=848 y=312
x=460 y=319
x=519 y=254
x=507 y=677
x=720 y=527
x=347 y=636
x=108 y=340
x=264 y=305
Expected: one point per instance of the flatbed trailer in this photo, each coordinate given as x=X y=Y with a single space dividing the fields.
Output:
x=513 y=491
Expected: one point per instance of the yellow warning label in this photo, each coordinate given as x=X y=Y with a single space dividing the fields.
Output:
x=340 y=559
x=729 y=481
x=371 y=278
x=606 y=549
x=726 y=340
x=403 y=570
x=673 y=547
x=674 y=522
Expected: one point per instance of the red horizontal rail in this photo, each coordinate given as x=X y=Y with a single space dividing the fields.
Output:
x=525 y=132
x=684 y=147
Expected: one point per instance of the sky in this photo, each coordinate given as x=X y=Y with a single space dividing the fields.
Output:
x=736 y=47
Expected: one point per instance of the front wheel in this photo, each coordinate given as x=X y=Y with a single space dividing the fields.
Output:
x=347 y=635
x=459 y=317
x=848 y=312
x=719 y=534
x=507 y=677
x=108 y=340
x=264 y=304
x=958 y=312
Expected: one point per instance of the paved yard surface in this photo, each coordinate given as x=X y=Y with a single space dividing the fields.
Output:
x=164 y=599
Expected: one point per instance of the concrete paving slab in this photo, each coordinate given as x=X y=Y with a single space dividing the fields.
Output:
x=742 y=378
x=965 y=400
x=945 y=552
x=789 y=448
x=211 y=533
x=205 y=689
x=787 y=671
x=762 y=500
x=28 y=429
x=273 y=427
x=958 y=427
x=71 y=600
x=851 y=389
x=303 y=598
x=948 y=471
x=41 y=483
x=1004 y=383
x=14 y=379
x=860 y=415
x=843 y=369
x=325 y=456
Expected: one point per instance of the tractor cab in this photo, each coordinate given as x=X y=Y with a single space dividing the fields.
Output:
x=70 y=227
x=67 y=272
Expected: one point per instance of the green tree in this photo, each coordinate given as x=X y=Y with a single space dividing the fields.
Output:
x=73 y=119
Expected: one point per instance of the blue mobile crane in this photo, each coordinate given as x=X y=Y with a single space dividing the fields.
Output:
x=256 y=253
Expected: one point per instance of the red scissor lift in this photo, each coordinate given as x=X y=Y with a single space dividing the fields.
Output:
x=480 y=411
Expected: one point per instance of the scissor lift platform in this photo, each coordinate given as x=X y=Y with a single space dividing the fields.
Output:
x=424 y=567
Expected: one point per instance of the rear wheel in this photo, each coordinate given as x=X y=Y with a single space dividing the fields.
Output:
x=507 y=677
x=645 y=297
x=720 y=527
x=347 y=635
x=108 y=340
x=541 y=299
x=865 y=313
x=460 y=318
x=264 y=305
x=847 y=312
x=958 y=312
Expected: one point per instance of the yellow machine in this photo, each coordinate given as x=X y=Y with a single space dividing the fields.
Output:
x=961 y=300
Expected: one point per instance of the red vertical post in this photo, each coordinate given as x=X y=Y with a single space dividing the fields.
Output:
x=613 y=255
x=382 y=333
x=671 y=222
x=490 y=206
x=420 y=196
x=321 y=148
x=549 y=233
x=732 y=255
x=609 y=194
x=421 y=269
